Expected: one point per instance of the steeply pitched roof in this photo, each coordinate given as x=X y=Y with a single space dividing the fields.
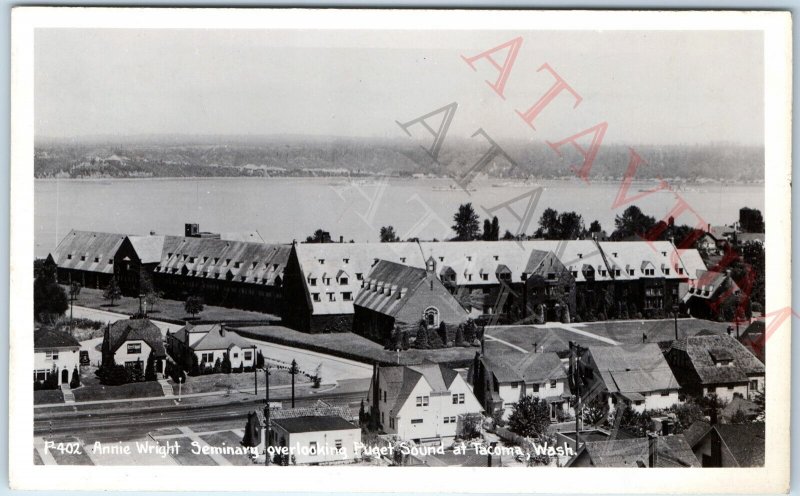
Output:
x=248 y=263
x=745 y=442
x=528 y=367
x=389 y=285
x=88 y=250
x=696 y=432
x=469 y=259
x=402 y=380
x=136 y=329
x=673 y=451
x=50 y=338
x=701 y=351
x=149 y=249
x=216 y=337
x=636 y=368
x=314 y=423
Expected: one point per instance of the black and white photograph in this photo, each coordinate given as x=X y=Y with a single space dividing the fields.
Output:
x=352 y=240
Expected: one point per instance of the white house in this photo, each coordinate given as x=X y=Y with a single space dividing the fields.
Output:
x=54 y=351
x=316 y=439
x=499 y=382
x=637 y=375
x=716 y=364
x=129 y=342
x=424 y=403
x=209 y=343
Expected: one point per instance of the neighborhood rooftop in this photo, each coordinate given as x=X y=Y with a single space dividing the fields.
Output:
x=314 y=423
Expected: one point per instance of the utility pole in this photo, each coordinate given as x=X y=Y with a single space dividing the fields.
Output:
x=266 y=414
x=293 y=370
x=675 y=309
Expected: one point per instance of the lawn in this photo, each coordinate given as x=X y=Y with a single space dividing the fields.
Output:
x=92 y=390
x=228 y=438
x=47 y=396
x=354 y=347
x=626 y=332
x=235 y=382
x=165 y=309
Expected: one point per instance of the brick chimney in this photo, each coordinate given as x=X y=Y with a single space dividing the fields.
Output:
x=222 y=329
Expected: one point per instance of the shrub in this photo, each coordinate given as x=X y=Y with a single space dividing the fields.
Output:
x=113 y=375
x=217 y=366
x=240 y=368
x=76 y=379
x=225 y=366
x=422 y=337
x=259 y=360
x=459 y=340
x=150 y=368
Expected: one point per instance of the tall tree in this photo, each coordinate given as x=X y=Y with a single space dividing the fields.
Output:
x=193 y=305
x=530 y=417
x=595 y=227
x=112 y=291
x=319 y=236
x=548 y=224
x=570 y=225
x=467 y=226
x=632 y=222
x=487 y=230
x=49 y=299
x=495 y=229
x=388 y=235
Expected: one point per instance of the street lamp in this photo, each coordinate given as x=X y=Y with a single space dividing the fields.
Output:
x=180 y=383
x=293 y=370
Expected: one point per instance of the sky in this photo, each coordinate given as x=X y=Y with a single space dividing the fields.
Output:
x=651 y=87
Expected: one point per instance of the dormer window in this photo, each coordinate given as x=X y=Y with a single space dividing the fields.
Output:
x=441 y=259
x=326 y=281
x=485 y=277
x=321 y=261
x=580 y=255
x=69 y=256
x=83 y=258
x=496 y=257
x=663 y=254
x=630 y=272
x=346 y=260
x=254 y=265
x=343 y=281
x=402 y=259
x=216 y=260
x=614 y=254
x=617 y=272
x=96 y=259
x=359 y=276
x=523 y=276
x=575 y=273
x=227 y=261
x=551 y=275
x=469 y=258
x=312 y=281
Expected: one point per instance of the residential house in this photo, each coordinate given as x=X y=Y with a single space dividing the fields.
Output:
x=54 y=352
x=671 y=451
x=396 y=296
x=426 y=403
x=704 y=364
x=727 y=445
x=500 y=381
x=209 y=343
x=129 y=342
x=316 y=439
x=753 y=338
x=636 y=375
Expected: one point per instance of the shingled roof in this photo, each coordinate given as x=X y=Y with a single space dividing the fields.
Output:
x=701 y=350
x=88 y=250
x=135 y=330
x=50 y=338
x=636 y=368
x=314 y=423
x=673 y=451
x=392 y=284
x=402 y=380
x=528 y=367
x=215 y=337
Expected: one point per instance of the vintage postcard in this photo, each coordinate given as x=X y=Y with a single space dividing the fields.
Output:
x=501 y=251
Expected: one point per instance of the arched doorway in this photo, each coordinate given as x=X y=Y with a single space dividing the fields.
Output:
x=65 y=376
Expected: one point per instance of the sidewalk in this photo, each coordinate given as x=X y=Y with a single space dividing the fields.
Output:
x=321 y=389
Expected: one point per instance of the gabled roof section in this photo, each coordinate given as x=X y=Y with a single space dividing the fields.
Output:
x=526 y=367
x=79 y=250
x=52 y=339
x=389 y=285
x=673 y=451
x=701 y=350
x=149 y=249
x=636 y=368
x=402 y=380
x=205 y=258
x=745 y=442
x=217 y=337
x=136 y=330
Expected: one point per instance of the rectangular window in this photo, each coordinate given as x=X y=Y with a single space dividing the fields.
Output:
x=425 y=400
x=69 y=256
x=535 y=388
x=248 y=355
x=235 y=355
x=460 y=398
x=485 y=277
x=331 y=297
x=384 y=396
x=712 y=389
x=134 y=348
x=416 y=421
x=315 y=296
x=664 y=393
x=419 y=400
x=553 y=384
x=338 y=442
x=312 y=281
x=753 y=385
x=40 y=375
x=452 y=420
x=455 y=399
x=514 y=385
x=347 y=296
x=359 y=276
x=447 y=420
x=343 y=281
x=51 y=355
